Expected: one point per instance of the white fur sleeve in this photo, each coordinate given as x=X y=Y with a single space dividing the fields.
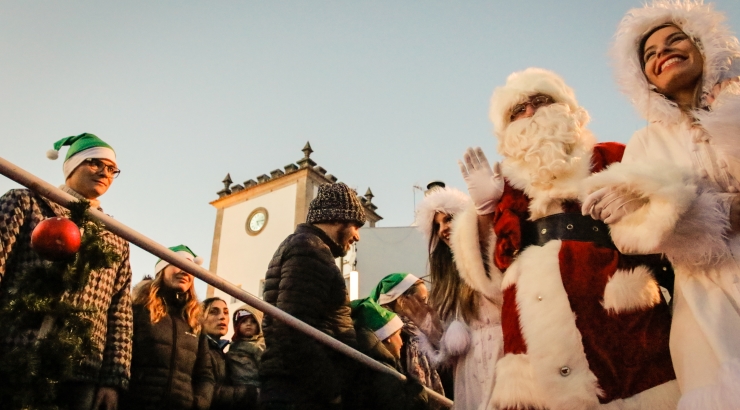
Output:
x=466 y=250
x=683 y=219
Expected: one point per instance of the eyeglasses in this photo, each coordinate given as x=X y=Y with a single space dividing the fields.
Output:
x=96 y=165
x=536 y=102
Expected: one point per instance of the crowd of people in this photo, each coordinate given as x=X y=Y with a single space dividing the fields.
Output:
x=574 y=274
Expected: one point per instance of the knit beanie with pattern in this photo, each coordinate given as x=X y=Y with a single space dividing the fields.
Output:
x=335 y=203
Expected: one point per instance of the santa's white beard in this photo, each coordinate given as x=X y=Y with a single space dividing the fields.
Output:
x=548 y=146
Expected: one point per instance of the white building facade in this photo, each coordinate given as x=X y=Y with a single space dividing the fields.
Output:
x=253 y=218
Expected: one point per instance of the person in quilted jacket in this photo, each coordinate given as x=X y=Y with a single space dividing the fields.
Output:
x=302 y=279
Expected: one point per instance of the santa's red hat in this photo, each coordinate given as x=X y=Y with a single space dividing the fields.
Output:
x=521 y=85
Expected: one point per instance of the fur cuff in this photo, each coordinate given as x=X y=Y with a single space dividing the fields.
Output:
x=723 y=395
x=700 y=237
x=669 y=192
x=468 y=256
x=631 y=291
x=515 y=388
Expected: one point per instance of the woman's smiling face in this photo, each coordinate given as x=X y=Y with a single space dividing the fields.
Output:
x=672 y=62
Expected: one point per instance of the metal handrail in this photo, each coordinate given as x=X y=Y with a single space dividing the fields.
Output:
x=55 y=194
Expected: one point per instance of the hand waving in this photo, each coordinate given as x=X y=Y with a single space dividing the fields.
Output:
x=485 y=185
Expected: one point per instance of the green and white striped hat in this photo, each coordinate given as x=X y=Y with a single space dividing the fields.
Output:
x=367 y=313
x=392 y=287
x=81 y=147
x=181 y=250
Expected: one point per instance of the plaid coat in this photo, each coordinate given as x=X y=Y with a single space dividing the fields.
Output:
x=107 y=291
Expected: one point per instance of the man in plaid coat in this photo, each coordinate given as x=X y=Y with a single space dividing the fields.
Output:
x=89 y=169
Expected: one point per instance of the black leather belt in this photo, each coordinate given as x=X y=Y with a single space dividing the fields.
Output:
x=567 y=227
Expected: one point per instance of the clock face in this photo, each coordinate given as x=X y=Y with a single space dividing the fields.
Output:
x=256 y=221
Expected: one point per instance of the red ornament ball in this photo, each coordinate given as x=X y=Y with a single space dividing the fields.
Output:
x=56 y=238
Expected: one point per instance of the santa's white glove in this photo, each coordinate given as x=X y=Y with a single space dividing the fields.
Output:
x=611 y=205
x=485 y=185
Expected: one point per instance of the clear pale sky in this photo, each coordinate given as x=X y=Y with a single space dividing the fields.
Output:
x=390 y=93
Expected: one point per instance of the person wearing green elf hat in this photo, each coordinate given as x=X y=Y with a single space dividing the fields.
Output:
x=89 y=169
x=171 y=365
x=407 y=296
x=379 y=336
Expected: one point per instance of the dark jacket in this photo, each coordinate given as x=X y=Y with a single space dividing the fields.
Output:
x=165 y=362
x=245 y=354
x=381 y=390
x=303 y=280
x=243 y=360
x=226 y=396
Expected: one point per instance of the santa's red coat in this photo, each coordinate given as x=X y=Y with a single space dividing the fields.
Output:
x=583 y=324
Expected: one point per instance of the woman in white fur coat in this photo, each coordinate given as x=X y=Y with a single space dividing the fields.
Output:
x=473 y=341
x=676 y=190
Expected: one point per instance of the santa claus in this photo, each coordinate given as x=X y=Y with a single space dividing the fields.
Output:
x=585 y=327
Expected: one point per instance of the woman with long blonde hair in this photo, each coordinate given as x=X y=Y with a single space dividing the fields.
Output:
x=166 y=341
x=462 y=295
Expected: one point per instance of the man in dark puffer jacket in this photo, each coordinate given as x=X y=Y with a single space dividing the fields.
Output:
x=303 y=280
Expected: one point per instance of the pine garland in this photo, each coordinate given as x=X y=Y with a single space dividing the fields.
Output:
x=30 y=373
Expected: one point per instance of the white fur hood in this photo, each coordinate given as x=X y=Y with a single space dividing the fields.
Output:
x=706 y=28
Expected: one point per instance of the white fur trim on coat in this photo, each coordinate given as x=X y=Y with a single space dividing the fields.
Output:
x=717 y=44
x=553 y=341
x=468 y=255
x=515 y=385
x=520 y=387
x=629 y=291
x=682 y=218
x=446 y=200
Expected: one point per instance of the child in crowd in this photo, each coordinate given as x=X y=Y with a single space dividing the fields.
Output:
x=379 y=336
x=406 y=295
x=247 y=346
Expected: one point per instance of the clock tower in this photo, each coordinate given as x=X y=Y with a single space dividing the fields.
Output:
x=254 y=217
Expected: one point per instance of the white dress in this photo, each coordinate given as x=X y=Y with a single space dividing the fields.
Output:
x=475 y=373
x=687 y=218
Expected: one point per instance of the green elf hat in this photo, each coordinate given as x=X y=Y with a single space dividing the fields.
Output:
x=367 y=313
x=392 y=287
x=184 y=252
x=81 y=147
